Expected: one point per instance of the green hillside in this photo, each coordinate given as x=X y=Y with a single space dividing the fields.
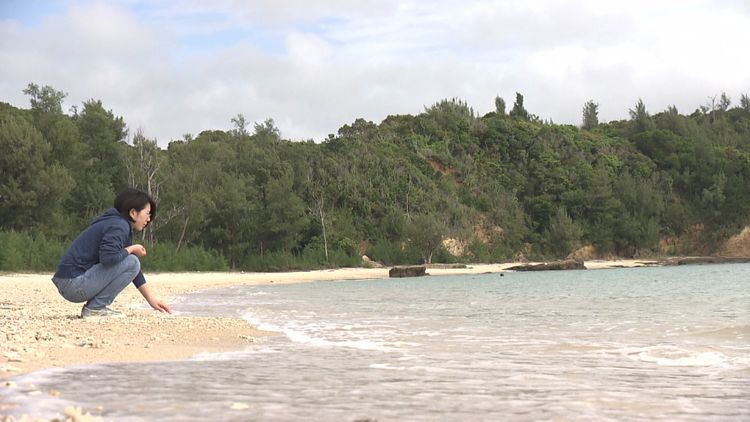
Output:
x=497 y=186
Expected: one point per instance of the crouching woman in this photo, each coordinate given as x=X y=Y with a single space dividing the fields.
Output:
x=103 y=260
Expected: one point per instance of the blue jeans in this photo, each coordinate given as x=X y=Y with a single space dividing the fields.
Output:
x=100 y=285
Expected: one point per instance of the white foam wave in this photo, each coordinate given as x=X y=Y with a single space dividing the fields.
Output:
x=387 y=366
x=263 y=326
x=676 y=356
x=299 y=336
x=418 y=368
x=233 y=355
x=257 y=294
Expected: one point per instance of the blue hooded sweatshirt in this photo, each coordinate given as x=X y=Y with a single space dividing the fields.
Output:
x=104 y=241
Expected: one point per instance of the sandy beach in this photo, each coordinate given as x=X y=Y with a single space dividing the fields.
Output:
x=42 y=330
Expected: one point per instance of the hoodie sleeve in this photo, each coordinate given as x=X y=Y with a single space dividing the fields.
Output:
x=139 y=280
x=112 y=247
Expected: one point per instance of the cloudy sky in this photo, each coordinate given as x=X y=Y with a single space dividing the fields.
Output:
x=172 y=67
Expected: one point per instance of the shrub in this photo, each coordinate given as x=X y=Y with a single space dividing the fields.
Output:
x=26 y=252
x=165 y=257
x=391 y=253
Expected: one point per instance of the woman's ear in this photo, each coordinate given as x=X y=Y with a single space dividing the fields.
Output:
x=132 y=213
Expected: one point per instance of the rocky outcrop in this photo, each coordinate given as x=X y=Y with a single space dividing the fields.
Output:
x=408 y=271
x=369 y=263
x=568 y=264
x=582 y=254
x=737 y=245
x=454 y=246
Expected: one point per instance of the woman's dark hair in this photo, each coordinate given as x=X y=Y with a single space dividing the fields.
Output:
x=133 y=198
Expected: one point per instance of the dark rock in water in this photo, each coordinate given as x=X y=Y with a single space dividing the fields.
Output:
x=407 y=271
x=697 y=260
x=567 y=264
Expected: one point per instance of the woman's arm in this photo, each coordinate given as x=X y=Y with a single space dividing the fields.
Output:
x=154 y=301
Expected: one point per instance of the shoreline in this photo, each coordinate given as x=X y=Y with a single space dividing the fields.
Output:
x=41 y=330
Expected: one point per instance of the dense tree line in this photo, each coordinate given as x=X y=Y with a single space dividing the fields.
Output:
x=497 y=185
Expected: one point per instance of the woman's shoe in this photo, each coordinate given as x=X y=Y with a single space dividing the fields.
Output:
x=87 y=312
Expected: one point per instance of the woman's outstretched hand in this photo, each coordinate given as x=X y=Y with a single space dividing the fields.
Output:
x=154 y=301
x=161 y=306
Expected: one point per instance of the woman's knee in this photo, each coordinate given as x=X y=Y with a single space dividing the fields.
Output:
x=133 y=263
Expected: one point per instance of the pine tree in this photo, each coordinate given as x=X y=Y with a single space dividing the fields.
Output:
x=518 y=110
x=590 y=115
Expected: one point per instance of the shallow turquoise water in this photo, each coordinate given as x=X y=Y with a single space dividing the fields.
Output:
x=669 y=343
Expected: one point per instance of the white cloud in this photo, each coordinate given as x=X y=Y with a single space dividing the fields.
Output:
x=176 y=67
x=307 y=49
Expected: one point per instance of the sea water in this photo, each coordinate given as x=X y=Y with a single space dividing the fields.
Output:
x=661 y=343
